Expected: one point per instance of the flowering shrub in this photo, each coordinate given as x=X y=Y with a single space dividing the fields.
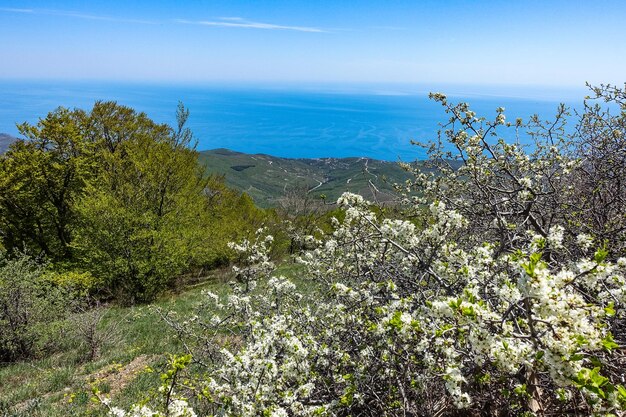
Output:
x=492 y=304
x=407 y=321
x=551 y=176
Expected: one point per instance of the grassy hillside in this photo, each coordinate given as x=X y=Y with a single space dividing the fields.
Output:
x=265 y=178
x=128 y=367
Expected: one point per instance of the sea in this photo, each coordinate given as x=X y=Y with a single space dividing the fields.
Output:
x=294 y=121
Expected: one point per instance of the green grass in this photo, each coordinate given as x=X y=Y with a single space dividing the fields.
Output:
x=128 y=367
x=140 y=334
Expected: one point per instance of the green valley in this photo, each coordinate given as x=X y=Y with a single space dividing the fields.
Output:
x=267 y=178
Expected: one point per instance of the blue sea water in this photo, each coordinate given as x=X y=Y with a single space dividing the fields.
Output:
x=287 y=122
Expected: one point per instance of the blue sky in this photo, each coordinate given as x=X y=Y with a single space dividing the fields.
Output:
x=556 y=43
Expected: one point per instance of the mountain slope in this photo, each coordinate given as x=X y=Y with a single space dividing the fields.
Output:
x=5 y=141
x=266 y=178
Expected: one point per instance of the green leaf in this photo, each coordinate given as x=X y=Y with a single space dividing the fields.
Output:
x=610 y=310
x=535 y=258
x=600 y=255
x=608 y=342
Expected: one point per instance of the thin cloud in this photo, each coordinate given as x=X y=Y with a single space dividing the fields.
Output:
x=12 y=10
x=233 y=22
x=238 y=22
x=76 y=15
x=236 y=19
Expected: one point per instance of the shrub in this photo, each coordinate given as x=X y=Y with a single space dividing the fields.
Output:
x=78 y=283
x=405 y=321
x=31 y=309
x=89 y=333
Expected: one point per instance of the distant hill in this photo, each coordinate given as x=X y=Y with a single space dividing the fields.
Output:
x=5 y=141
x=265 y=178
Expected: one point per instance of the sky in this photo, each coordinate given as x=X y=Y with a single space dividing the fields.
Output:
x=523 y=43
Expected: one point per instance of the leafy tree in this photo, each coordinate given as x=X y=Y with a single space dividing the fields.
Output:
x=112 y=192
x=230 y=217
x=139 y=222
x=41 y=180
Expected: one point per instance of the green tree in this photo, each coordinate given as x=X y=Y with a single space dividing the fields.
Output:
x=40 y=181
x=115 y=194
x=140 y=222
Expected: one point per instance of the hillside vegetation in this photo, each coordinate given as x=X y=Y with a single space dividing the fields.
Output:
x=268 y=178
x=115 y=203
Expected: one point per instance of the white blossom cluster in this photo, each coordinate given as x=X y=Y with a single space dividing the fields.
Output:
x=404 y=314
x=176 y=408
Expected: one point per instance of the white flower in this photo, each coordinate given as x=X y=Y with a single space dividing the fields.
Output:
x=555 y=237
x=117 y=412
x=180 y=408
x=279 y=412
x=584 y=241
x=526 y=182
